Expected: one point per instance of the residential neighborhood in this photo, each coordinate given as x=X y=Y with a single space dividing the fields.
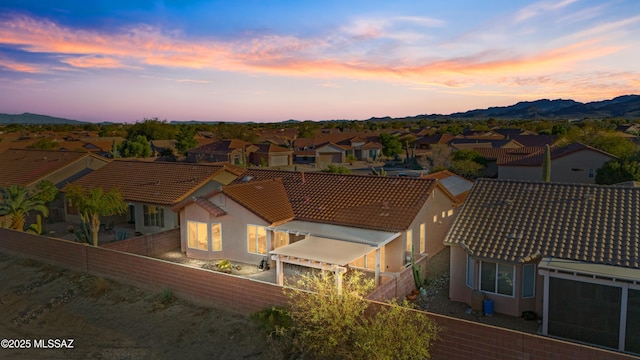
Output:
x=515 y=246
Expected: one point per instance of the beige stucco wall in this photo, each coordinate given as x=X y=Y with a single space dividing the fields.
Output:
x=233 y=230
x=507 y=305
x=436 y=225
x=563 y=169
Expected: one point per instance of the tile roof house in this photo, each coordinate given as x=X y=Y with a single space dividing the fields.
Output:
x=271 y=155
x=232 y=151
x=455 y=184
x=568 y=252
x=28 y=167
x=322 y=220
x=575 y=163
x=152 y=188
x=331 y=148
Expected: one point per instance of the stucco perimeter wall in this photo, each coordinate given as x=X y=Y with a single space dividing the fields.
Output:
x=397 y=285
x=459 y=339
x=148 y=245
x=463 y=340
x=201 y=286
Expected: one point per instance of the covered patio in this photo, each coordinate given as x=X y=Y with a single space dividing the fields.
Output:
x=330 y=247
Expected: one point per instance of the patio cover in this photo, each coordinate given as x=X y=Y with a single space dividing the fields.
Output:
x=323 y=250
x=370 y=237
x=590 y=269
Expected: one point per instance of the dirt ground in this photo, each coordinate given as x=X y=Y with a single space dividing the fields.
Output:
x=109 y=320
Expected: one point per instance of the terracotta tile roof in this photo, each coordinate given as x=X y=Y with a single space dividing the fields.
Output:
x=536 y=158
x=26 y=166
x=210 y=207
x=455 y=184
x=220 y=147
x=371 y=202
x=506 y=155
x=271 y=148
x=371 y=145
x=435 y=139
x=267 y=199
x=535 y=140
x=161 y=183
x=516 y=221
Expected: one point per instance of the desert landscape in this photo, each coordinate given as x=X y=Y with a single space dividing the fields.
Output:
x=109 y=320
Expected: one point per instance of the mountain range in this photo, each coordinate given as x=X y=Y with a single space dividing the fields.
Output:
x=626 y=106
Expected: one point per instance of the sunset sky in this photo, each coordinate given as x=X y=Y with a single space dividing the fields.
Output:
x=270 y=61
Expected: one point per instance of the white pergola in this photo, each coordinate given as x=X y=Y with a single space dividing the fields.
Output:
x=328 y=247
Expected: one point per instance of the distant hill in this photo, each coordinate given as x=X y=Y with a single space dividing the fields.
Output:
x=35 y=119
x=627 y=106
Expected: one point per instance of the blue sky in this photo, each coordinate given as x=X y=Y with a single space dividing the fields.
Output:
x=270 y=61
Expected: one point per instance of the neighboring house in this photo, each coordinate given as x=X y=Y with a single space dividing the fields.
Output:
x=232 y=151
x=470 y=144
x=319 y=220
x=329 y=148
x=271 y=155
x=329 y=153
x=498 y=156
x=574 y=163
x=27 y=167
x=455 y=184
x=152 y=188
x=568 y=252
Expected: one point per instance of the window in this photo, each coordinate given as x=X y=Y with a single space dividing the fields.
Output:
x=471 y=272
x=369 y=261
x=72 y=209
x=153 y=216
x=216 y=237
x=592 y=173
x=528 y=281
x=280 y=239
x=450 y=212
x=197 y=235
x=257 y=239
x=423 y=240
x=409 y=241
x=444 y=214
x=496 y=278
x=435 y=218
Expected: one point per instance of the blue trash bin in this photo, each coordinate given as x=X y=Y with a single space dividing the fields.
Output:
x=488 y=307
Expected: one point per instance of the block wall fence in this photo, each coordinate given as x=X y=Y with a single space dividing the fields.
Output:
x=128 y=263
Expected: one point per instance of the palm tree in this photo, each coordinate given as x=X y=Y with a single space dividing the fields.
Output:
x=18 y=202
x=93 y=203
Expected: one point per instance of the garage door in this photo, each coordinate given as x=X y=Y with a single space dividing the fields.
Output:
x=279 y=160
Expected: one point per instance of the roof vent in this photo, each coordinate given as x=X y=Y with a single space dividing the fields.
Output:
x=247 y=178
x=588 y=196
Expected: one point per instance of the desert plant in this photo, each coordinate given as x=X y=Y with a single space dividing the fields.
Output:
x=83 y=232
x=417 y=270
x=36 y=228
x=224 y=265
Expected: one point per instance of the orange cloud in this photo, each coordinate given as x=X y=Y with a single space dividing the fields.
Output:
x=18 y=67
x=93 y=62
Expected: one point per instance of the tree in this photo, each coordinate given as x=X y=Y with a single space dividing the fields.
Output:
x=138 y=147
x=93 y=203
x=18 y=202
x=324 y=323
x=391 y=145
x=152 y=129
x=440 y=156
x=186 y=138
x=469 y=155
x=44 y=144
x=466 y=168
x=617 y=171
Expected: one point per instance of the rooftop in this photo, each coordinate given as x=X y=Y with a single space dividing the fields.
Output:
x=518 y=221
